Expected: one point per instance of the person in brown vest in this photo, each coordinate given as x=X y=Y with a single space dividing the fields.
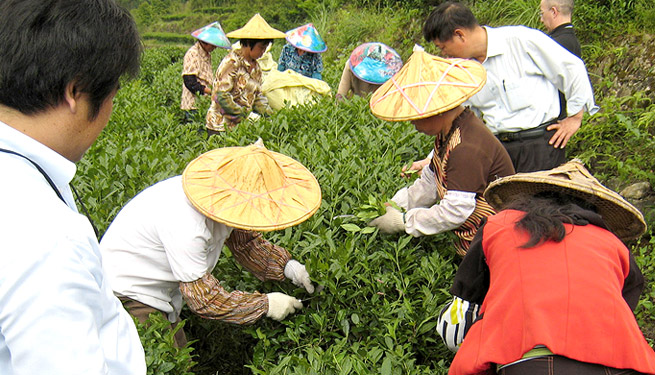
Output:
x=429 y=91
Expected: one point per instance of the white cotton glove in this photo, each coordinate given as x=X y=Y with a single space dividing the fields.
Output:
x=390 y=222
x=280 y=305
x=297 y=273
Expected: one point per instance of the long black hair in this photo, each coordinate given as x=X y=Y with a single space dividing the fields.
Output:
x=547 y=212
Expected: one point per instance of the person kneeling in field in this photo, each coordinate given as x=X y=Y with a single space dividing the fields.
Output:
x=429 y=91
x=552 y=279
x=162 y=247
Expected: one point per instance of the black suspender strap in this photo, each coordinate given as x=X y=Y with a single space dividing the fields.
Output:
x=53 y=186
x=45 y=175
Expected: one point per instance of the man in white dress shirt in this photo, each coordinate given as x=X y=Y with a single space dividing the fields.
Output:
x=60 y=65
x=525 y=70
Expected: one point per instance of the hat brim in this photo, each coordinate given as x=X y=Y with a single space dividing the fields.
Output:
x=306 y=49
x=621 y=217
x=256 y=28
x=426 y=86
x=220 y=195
x=370 y=69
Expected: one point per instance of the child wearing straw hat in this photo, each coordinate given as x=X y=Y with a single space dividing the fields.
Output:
x=161 y=249
x=197 y=66
x=369 y=66
x=429 y=91
x=236 y=89
x=553 y=279
x=302 y=53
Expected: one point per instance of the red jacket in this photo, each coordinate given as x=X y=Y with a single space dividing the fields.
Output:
x=566 y=296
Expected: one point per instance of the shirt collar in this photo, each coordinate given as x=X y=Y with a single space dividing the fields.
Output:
x=495 y=45
x=58 y=168
x=239 y=53
x=563 y=26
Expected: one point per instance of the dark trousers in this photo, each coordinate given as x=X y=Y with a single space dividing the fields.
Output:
x=555 y=364
x=535 y=154
x=142 y=312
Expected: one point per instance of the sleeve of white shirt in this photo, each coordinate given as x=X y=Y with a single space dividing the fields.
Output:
x=421 y=192
x=565 y=70
x=425 y=216
x=186 y=240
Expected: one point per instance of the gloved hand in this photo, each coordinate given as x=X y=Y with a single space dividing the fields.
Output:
x=298 y=274
x=280 y=305
x=391 y=222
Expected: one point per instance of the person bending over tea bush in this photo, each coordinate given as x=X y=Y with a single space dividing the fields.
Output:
x=237 y=86
x=429 y=91
x=161 y=249
x=547 y=286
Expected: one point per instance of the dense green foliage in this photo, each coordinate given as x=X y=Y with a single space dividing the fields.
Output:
x=376 y=313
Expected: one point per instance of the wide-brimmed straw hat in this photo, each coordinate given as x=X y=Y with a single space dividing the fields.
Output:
x=426 y=86
x=256 y=28
x=212 y=34
x=306 y=38
x=251 y=188
x=573 y=179
x=374 y=62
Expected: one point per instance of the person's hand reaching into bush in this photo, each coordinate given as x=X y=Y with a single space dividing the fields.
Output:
x=280 y=305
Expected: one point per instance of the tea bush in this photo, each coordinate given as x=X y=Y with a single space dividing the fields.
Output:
x=381 y=293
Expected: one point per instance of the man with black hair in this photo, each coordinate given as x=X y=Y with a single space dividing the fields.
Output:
x=526 y=68
x=60 y=65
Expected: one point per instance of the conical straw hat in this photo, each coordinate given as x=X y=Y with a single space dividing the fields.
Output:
x=212 y=34
x=426 y=86
x=251 y=188
x=256 y=28
x=374 y=62
x=573 y=179
x=306 y=38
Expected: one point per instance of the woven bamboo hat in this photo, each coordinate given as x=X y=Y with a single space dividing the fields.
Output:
x=573 y=179
x=306 y=38
x=212 y=34
x=251 y=188
x=426 y=86
x=256 y=28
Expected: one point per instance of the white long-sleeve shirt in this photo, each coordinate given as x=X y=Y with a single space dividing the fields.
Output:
x=58 y=314
x=425 y=214
x=525 y=70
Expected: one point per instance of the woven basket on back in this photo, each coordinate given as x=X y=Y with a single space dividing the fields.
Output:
x=251 y=188
x=426 y=86
x=571 y=178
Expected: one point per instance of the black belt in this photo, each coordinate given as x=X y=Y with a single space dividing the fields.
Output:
x=535 y=132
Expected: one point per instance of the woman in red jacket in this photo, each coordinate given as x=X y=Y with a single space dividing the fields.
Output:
x=547 y=286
